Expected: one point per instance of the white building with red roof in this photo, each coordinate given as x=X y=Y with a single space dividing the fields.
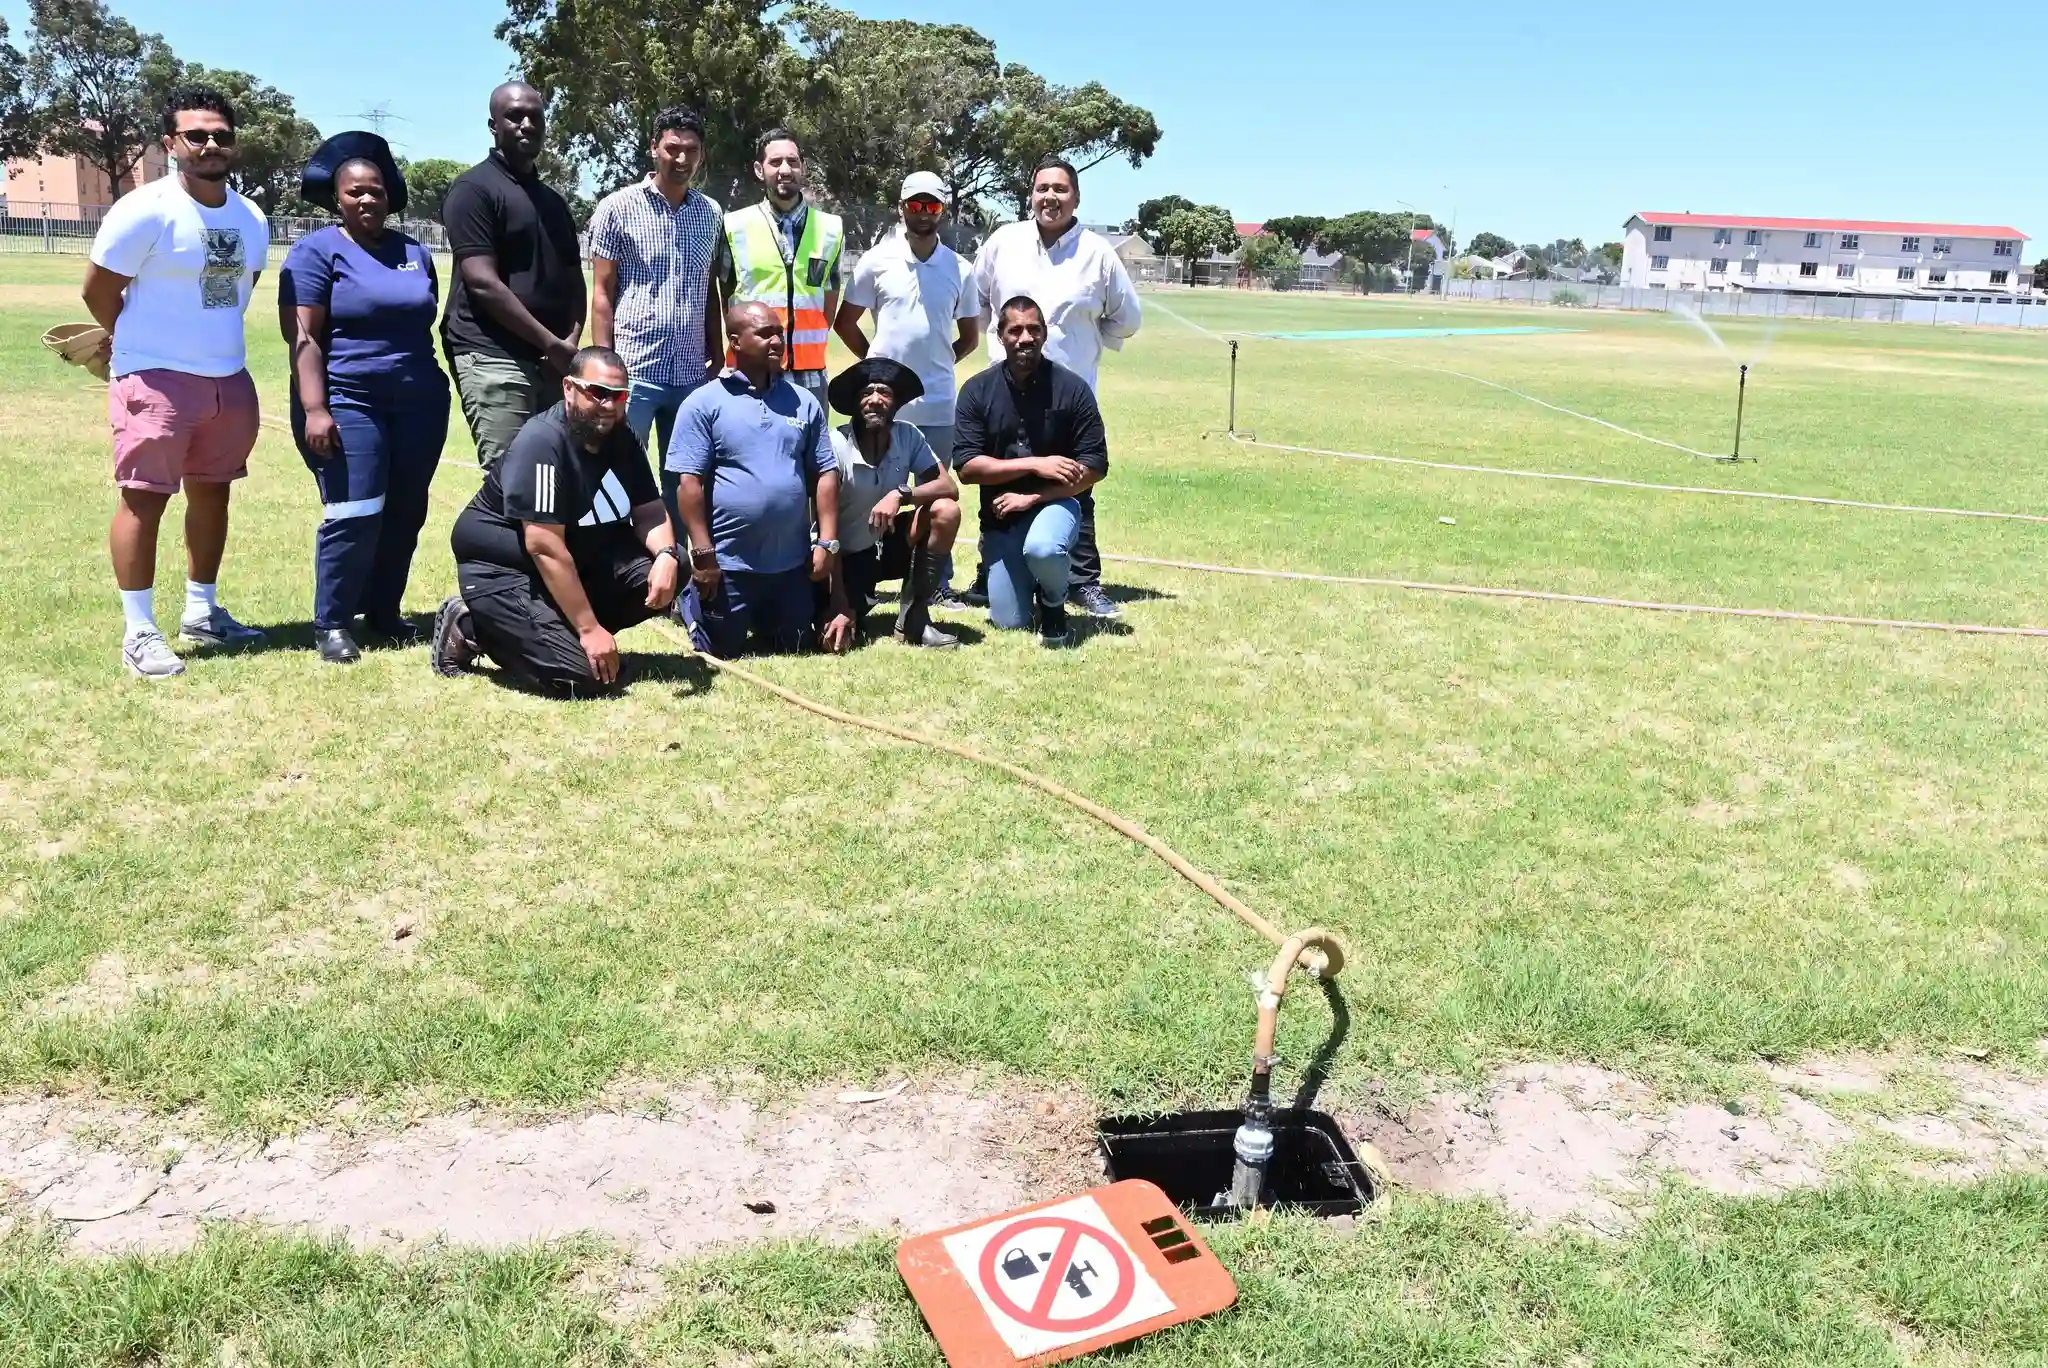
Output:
x=1716 y=252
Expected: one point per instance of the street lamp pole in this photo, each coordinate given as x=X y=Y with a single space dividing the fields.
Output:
x=1412 y=212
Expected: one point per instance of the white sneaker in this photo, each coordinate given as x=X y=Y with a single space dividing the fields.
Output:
x=148 y=656
x=218 y=629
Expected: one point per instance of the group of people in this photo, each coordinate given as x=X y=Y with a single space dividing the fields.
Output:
x=769 y=528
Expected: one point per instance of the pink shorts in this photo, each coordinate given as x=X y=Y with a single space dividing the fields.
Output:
x=170 y=427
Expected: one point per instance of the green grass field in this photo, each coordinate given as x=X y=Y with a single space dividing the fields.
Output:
x=1668 y=846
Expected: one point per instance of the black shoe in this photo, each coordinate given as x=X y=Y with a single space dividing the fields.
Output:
x=977 y=596
x=1053 y=632
x=1090 y=599
x=395 y=631
x=336 y=646
x=452 y=650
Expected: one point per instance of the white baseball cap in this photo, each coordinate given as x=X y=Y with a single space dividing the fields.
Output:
x=919 y=183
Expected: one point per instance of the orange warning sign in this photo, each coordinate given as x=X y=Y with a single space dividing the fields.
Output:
x=1063 y=1278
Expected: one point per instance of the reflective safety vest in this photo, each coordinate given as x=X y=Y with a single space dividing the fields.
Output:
x=768 y=273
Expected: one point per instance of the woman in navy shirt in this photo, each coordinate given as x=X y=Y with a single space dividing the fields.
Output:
x=357 y=302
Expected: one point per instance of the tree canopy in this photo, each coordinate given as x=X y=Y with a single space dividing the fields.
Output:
x=272 y=139
x=1273 y=259
x=1193 y=232
x=1150 y=212
x=1300 y=231
x=20 y=121
x=1490 y=245
x=97 y=83
x=426 y=185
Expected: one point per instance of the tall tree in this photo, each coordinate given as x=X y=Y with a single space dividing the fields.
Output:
x=1032 y=119
x=1194 y=232
x=1300 y=231
x=426 y=185
x=1611 y=252
x=1150 y=213
x=272 y=139
x=97 y=80
x=1372 y=237
x=607 y=66
x=1490 y=245
x=887 y=97
x=1273 y=259
x=20 y=120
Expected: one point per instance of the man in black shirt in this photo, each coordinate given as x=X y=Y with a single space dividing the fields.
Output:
x=515 y=307
x=566 y=543
x=1029 y=433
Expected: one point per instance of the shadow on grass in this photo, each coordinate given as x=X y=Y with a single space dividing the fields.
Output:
x=1133 y=593
x=636 y=668
x=298 y=636
x=1318 y=1072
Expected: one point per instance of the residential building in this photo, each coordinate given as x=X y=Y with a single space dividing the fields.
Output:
x=70 y=185
x=1709 y=252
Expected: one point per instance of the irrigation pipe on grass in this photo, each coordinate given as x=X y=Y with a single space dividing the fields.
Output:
x=1325 y=963
x=1551 y=596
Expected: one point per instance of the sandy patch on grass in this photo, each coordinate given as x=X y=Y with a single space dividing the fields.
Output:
x=683 y=1170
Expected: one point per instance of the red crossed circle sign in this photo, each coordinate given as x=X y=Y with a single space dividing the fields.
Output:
x=1038 y=1316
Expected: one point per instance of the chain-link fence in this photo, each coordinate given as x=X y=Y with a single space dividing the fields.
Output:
x=29 y=226
x=1956 y=307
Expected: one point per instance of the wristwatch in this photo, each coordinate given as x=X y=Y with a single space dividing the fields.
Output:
x=671 y=552
x=830 y=548
x=703 y=555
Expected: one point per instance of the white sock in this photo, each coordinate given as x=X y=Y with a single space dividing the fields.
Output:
x=199 y=600
x=138 y=606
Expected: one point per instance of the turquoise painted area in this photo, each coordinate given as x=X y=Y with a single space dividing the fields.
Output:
x=1363 y=334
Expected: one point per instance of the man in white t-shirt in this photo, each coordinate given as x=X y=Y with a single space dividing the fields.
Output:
x=927 y=315
x=172 y=270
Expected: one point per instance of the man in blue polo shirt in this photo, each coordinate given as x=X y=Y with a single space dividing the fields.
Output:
x=751 y=456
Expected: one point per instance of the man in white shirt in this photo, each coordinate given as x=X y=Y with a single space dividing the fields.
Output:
x=927 y=315
x=172 y=269
x=1089 y=304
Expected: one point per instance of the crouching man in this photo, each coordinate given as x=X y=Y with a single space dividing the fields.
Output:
x=899 y=509
x=566 y=544
x=1029 y=433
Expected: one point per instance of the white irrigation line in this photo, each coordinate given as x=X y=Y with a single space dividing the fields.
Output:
x=1152 y=302
x=1640 y=484
x=1549 y=596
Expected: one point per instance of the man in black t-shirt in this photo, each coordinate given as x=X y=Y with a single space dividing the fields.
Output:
x=515 y=306
x=566 y=543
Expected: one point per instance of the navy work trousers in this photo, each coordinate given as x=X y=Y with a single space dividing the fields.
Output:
x=373 y=492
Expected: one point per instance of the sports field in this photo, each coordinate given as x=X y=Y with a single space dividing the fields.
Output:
x=1653 y=868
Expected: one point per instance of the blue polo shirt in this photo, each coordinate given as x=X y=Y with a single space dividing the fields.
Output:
x=758 y=452
x=380 y=304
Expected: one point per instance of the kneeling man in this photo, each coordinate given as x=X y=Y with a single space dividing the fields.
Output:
x=566 y=543
x=1029 y=433
x=898 y=508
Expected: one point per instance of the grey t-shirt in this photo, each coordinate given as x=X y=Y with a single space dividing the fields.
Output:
x=863 y=485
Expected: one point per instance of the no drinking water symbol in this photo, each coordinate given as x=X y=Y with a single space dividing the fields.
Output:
x=1055 y=1274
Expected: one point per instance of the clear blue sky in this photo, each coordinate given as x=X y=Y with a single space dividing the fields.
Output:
x=1534 y=128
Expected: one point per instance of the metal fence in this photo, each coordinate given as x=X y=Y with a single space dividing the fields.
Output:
x=29 y=226
x=1960 y=308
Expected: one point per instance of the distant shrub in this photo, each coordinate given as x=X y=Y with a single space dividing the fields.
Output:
x=1567 y=299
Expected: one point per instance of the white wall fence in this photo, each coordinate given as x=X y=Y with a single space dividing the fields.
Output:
x=1964 y=309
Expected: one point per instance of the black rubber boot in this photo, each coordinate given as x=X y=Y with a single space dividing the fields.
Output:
x=914 y=623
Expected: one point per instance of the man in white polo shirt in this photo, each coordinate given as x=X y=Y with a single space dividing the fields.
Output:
x=1089 y=304
x=172 y=269
x=927 y=315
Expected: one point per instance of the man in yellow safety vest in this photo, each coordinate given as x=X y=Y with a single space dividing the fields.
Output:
x=783 y=252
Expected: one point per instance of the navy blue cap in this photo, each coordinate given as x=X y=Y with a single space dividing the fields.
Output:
x=316 y=184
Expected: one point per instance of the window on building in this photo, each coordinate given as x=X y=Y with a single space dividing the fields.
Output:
x=1937 y=275
x=1660 y=263
x=1753 y=238
x=1845 y=270
x=1723 y=236
x=1749 y=267
x=1719 y=266
x=2000 y=277
x=1909 y=244
x=1809 y=268
x=2002 y=247
x=1944 y=246
x=1907 y=273
x=1852 y=242
x=1663 y=233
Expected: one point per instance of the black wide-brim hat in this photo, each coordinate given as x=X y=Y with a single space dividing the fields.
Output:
x=845 y=389
x=316 y=184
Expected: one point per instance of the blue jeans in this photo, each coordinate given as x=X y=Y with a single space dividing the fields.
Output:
x=652 y=408
x=1031 y=559
x=373 y=493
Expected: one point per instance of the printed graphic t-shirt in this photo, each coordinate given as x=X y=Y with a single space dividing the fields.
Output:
x=193 y=270
x=547 y=477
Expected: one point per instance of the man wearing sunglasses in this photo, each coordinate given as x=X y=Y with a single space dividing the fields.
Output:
x=566 y=544
x=173 y=266
x=927 y=315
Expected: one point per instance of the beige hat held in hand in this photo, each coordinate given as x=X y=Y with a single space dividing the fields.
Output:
x=80 y=344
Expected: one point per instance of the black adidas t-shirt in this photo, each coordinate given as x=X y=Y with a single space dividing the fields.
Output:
x=547 y=478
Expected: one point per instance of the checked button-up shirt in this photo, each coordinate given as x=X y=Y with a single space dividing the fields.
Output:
x=664 y=254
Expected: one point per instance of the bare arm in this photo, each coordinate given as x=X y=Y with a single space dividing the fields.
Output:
x=651 y=525
x=102 y=295
x=604 y=300
x=309 y=372
x=495 y=300
x=847 y=325
x=933 y=488
x=714 y=323
x=995 y=470
x=550 y=552
x=969 y=341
